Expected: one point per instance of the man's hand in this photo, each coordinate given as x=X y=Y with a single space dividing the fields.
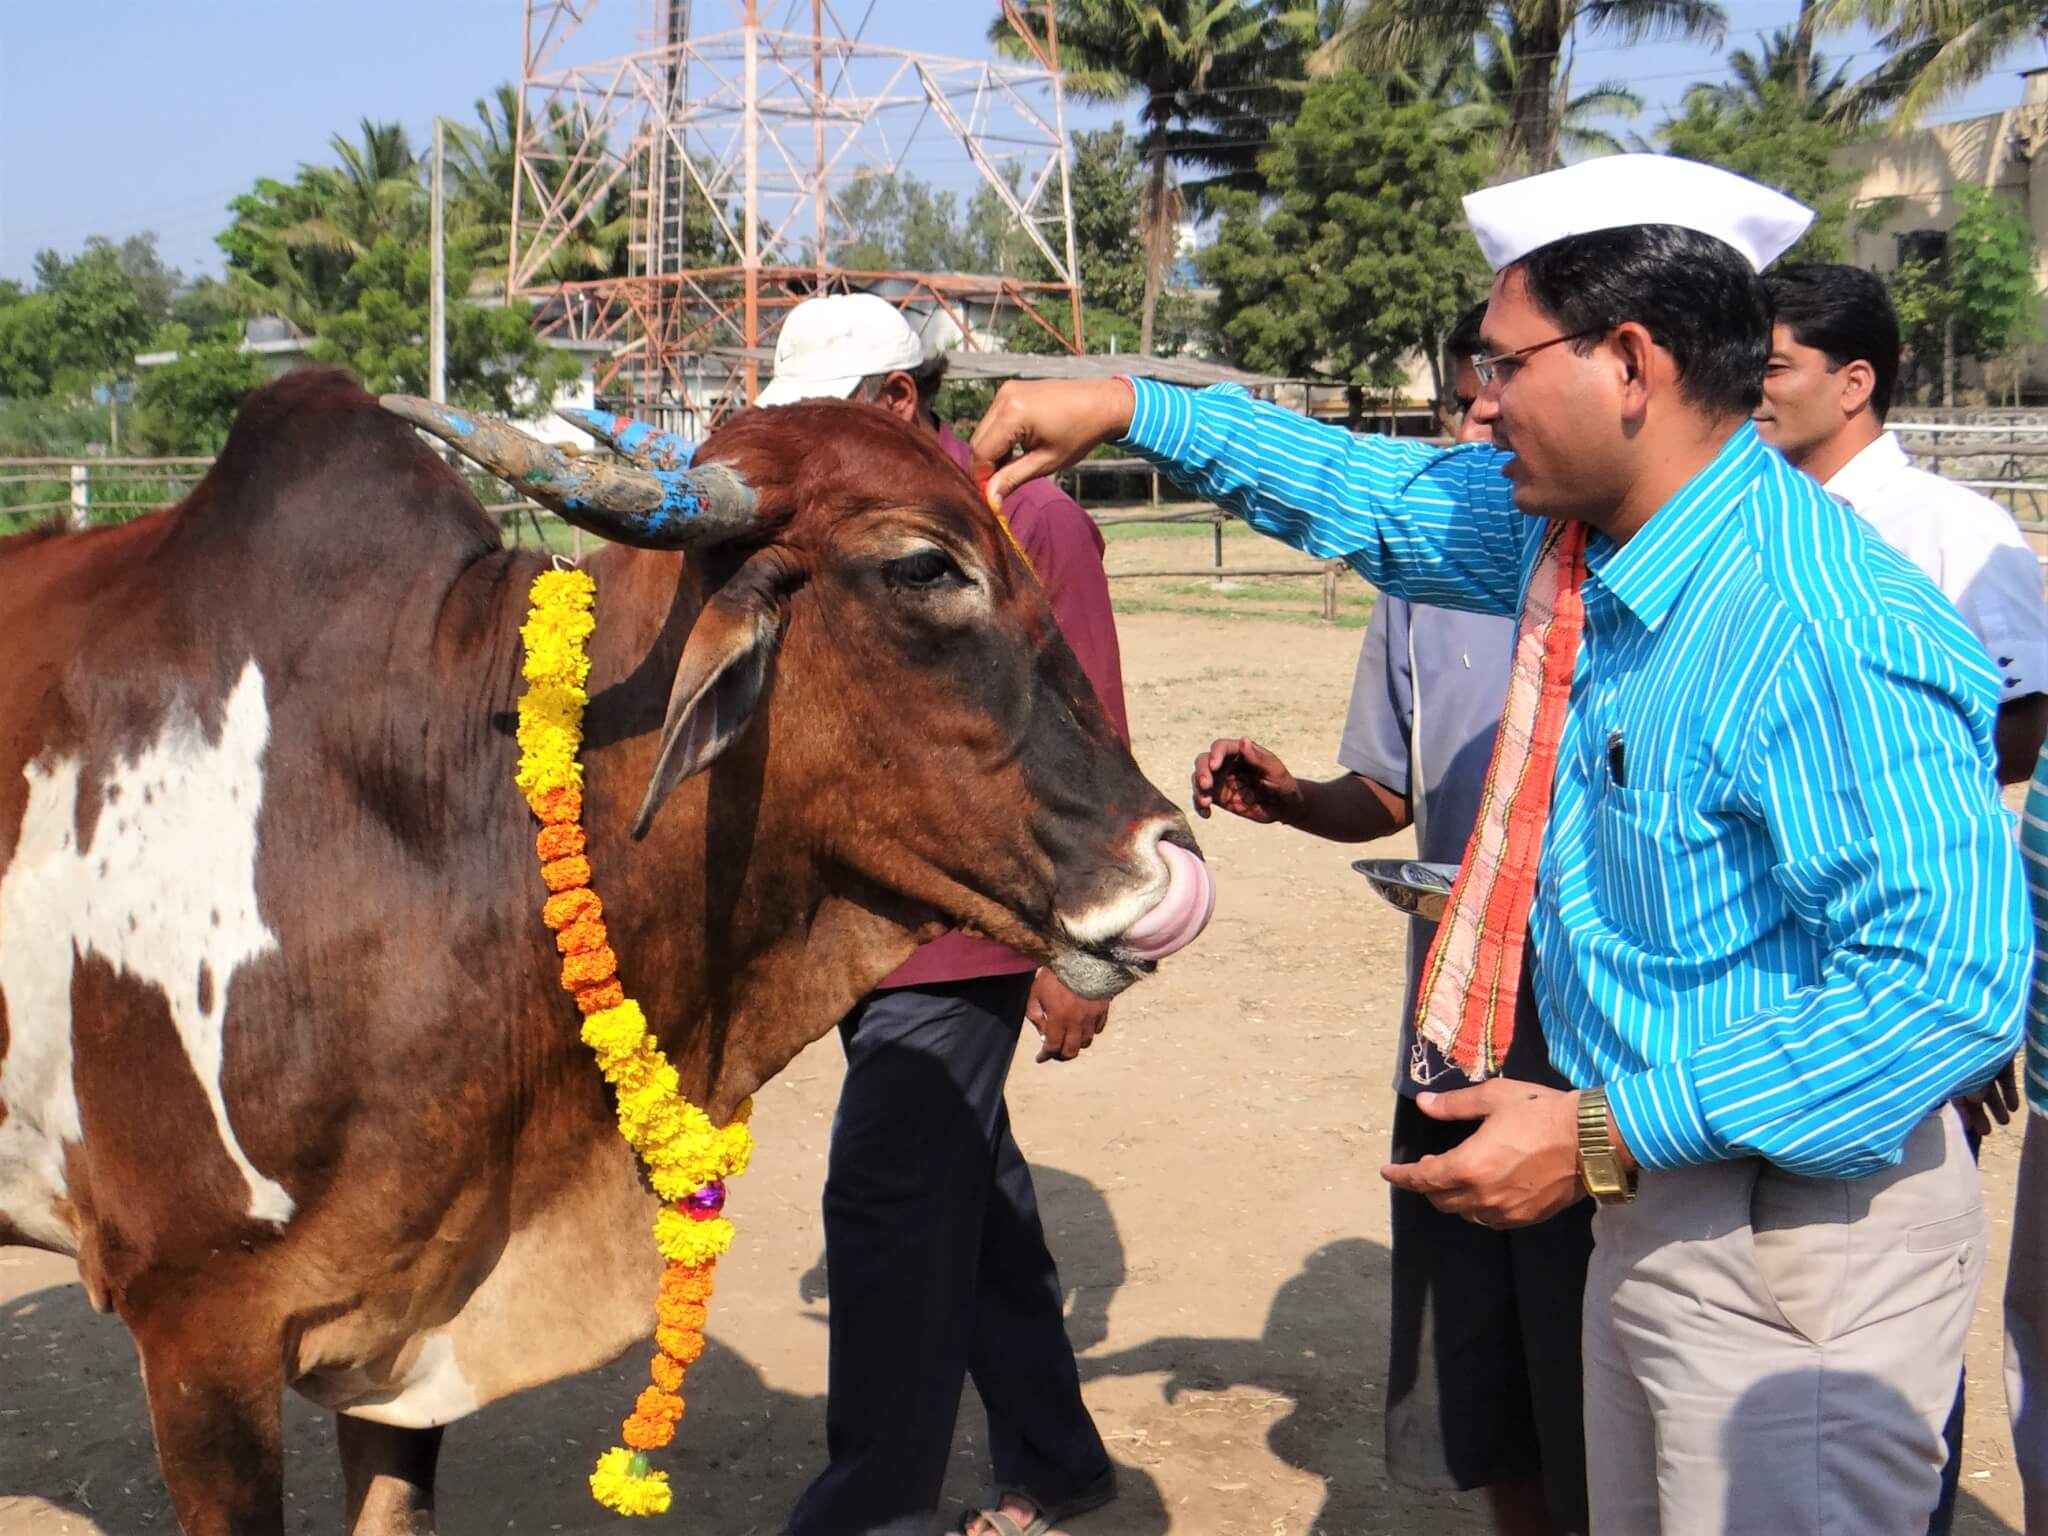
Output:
x=1067 y=1023
x=1520 y=1167
x=1050 y=425
x=1246 y=780
x=2000 y=1096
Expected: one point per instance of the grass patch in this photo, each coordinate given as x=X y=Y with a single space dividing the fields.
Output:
x=1135 y=533
x=1304 y=613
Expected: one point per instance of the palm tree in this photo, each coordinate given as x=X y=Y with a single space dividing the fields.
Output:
x=376 y=190
x=1472 y=93
x=1535 y=37
x=1756 y=77
x=1207 y=75
x=1933 y=48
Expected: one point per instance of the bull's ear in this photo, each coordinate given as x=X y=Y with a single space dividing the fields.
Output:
x=724 y=671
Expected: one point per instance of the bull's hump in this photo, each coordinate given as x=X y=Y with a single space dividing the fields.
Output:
x=163 y=890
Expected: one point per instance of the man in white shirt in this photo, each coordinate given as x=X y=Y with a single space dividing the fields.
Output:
x=1827 y=390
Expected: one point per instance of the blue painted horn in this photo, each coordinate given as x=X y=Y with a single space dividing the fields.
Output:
x=634 y=441
x=676 y=508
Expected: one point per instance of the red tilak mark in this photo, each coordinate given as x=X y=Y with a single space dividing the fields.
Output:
x=983 y=473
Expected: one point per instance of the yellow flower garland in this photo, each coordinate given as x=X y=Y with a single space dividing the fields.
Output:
x=688 y=1159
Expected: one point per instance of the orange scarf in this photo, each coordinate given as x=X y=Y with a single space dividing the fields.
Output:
x=1467 y=1006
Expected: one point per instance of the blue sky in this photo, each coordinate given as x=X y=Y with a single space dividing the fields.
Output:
x=120 y=116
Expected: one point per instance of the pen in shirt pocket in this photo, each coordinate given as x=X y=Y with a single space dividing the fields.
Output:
x=1617 y=766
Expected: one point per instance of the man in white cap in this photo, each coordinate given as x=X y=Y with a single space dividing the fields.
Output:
x=935 y=1257
x=1780 y=920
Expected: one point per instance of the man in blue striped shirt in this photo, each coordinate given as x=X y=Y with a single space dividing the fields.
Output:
x=1780 y=921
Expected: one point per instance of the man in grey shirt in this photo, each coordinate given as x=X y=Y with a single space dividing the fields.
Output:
x=1484 y=1381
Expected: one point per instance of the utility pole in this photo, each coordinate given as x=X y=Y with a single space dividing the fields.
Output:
x=750 y=230
x=437 y=296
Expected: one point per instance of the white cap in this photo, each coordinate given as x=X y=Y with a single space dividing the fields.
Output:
x=1619 y=191
x=828 y=345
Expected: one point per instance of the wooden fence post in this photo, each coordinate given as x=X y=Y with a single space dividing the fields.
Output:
x=81 y=497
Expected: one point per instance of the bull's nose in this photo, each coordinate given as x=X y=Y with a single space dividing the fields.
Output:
x=1179 y=915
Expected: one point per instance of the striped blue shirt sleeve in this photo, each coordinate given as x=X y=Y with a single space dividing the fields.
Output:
x=1429 y=524
x=1890 y=847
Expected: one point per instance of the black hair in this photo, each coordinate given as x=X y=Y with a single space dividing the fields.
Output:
x=1463 y=340
x=1844 y=313
x=1697 y=296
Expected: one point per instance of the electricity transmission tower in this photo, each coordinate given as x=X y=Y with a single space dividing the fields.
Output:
x=729 y=136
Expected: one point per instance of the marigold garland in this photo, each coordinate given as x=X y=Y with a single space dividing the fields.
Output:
x=688 y=1159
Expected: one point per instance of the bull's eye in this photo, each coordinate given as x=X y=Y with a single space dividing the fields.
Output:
x=926 y=571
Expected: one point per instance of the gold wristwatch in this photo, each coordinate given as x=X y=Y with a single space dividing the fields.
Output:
x=1599 y=1164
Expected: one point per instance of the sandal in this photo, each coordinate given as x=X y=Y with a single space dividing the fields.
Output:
x=1046 y=1516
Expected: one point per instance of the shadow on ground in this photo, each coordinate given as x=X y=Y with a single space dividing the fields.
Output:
x=74 y=1432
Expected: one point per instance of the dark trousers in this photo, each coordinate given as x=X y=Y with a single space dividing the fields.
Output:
x=938 y=1270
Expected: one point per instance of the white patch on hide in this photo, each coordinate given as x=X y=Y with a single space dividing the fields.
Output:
x=166 y=894
x=433 y=1391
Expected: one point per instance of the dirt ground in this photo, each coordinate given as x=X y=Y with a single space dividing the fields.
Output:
x=1209 y=1177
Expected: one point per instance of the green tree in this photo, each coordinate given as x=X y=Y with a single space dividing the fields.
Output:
x=1207 y=77
x=1109 y=246
x=1760 y=124
x=495 y=362
x=28 y=342
x=899 y=222
x=1379 y=36
x=1362 y=258
x=1930 y=50
x=1995 y=305
x=186 y=406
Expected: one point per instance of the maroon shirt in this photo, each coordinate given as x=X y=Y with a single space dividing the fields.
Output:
x=1065 y=548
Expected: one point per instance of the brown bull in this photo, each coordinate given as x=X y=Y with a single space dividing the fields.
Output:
x=283 y=1057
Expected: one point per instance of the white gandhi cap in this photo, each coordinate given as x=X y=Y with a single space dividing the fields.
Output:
x=828 y=345
x=1619 y=191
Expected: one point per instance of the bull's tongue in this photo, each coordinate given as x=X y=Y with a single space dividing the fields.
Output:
x=1183 y=911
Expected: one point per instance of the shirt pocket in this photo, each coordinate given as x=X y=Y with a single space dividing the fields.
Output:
x=1658 y=881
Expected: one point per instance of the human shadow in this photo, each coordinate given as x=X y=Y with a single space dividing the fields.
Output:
x=75 y=1434
x=1314 y=1351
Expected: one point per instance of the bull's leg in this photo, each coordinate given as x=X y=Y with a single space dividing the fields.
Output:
x=389 y=1474
x=216 y=1389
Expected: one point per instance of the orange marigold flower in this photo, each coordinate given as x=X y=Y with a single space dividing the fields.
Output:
x=678 y=1343
x=690 y=1281
x=606 y=994
x=655 y=1403
x=580 y=971
x=559 y=841
x=558 y=805
x=678 y=1313
x=643 y=1434
x=683 y=1314
x=566 y=874
x=586 y=937
x=568 y=907
x=667 y=1372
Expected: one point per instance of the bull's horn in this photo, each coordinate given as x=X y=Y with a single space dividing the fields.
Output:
x=652 y=508
x=649 y=447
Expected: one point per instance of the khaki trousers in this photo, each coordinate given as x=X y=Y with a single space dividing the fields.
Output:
x=2026 y=1325
x=1772 y=1355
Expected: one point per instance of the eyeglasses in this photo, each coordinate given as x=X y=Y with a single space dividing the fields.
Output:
x=1489 y=368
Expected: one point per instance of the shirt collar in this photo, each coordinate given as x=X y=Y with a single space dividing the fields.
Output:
x=1648 y=572
x=1875 y=462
